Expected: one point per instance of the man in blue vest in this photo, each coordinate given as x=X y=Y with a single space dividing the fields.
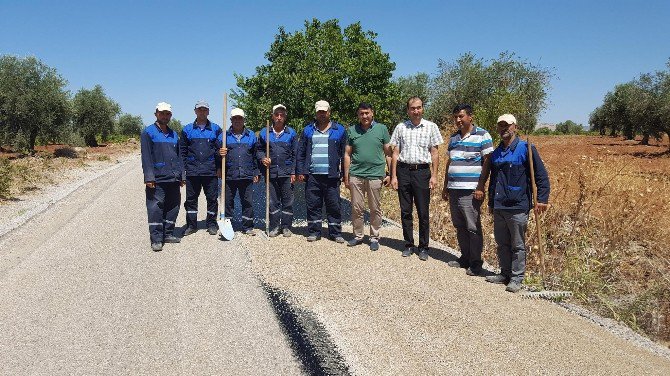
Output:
x=320 y=160
x=163 y=175
x=510 y=200
x=199 y=148
x=241 y=169
x=281 y=162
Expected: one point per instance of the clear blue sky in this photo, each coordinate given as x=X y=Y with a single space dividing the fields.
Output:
x=146 y=52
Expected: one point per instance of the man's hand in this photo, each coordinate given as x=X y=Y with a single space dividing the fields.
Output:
x=394 y=183
x=218 y=173
x=255 y=179
x=301 y=178
x=433 y=182
x=292 y=179
x=386 y=181
x=182 y=183
x=150 y=184
x=445 y=194
x=541 y=207
x=478 y=195
x=223 y=151
x=345 y=180
x=266 y=161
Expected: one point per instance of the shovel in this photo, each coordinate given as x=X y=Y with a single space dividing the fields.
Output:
x=225 y=226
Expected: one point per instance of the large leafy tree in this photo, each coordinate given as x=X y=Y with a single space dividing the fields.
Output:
x=506 y=84
x=416 y=85
x=33 y=102
x=129 y=125
x=323 y=61
x=94 y=114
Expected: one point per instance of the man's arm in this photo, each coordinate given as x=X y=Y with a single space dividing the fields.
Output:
x=347 y=163
x=147 y=160
x=388 y=156
x=434 y=165
x=541 y=182
x=394 y=167
x=486 y=168
x=445 y=190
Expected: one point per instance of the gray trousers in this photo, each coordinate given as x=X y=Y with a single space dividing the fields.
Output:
x=466 y=217
x=509 y=229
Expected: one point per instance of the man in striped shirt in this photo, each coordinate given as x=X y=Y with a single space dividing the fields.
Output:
x=414 y=173
x=467 y=170
x=319 y=163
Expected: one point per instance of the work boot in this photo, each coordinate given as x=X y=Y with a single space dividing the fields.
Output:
x=338 y=239
x=190 y=230
x=423 y=254
x=408 y=251
x=274 y=233
x=313 y=238
x=354 y=242
x=374 y=245
x=156 y=247
x=513 y=286
x=498 y=279
x=456 y=264
x=250 y=232
x=474 y=271
x=287 y=232
x=212 y=230
x=171 y=239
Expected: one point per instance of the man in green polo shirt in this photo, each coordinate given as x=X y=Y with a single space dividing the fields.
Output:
x=366 y=158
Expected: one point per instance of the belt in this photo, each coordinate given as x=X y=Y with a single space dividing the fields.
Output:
x=414 y=166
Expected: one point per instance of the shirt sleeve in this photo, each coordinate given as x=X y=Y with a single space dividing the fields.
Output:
x=487 y=144
x=395 y=137
x=146 y=146
x=436 y=137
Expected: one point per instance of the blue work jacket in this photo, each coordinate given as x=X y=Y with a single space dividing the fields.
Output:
x=282 y=152
x=161 y=162
x=337 y=141
x=199 y=149
x=241 y=160
x=510 y=186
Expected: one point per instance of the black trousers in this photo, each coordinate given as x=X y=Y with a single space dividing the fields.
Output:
x=193 y=186
x=162 y=209
x=245 y=189
x=281 y=203
x=414 y=189
x=320 y=190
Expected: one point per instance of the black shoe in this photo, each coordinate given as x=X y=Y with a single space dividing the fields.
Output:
x=354 y=242
x=456 y=264
x=190 y=230
x=338 y=239
x=474 y=271
x=212 y=230
x=374 y=245
x=156 y=247
x=273 y=233
x=513 y=286
x=408 y=251
x=287 y=232
x=171 y=239
x=423 y=254
x=313 y=238
x=498 y=279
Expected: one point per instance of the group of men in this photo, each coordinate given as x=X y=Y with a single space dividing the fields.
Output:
x=365 y=158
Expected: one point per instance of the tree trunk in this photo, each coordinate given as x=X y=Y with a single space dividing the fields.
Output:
x=90 y=140
x=645 y=139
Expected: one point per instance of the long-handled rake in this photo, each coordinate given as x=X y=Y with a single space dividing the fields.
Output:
x=544 y=294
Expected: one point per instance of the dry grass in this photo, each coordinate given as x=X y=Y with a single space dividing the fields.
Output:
x=605 y=233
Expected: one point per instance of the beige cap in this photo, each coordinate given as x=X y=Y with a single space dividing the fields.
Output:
x=278 y=106
x=507 y=118
x=162 y=106
x=236 y=112
x=321 y=106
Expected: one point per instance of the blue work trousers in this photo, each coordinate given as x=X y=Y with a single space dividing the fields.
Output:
x=281 y=203
x=320 y=190
x=245 y=189
x=509 y=230
x=194 y=184
x=162 y=209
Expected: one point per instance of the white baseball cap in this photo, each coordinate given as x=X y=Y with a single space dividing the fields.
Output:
x=507 y=118
x=236 y=112
x=201 y=103
x=321 y=106
x=278 y=106
x=162 y=106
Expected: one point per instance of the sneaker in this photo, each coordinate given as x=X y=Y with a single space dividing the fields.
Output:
x=423 y=254
x=171 y=239
x=513 y=286
x=456 y=264
x=374 y=245
x=190 y=230
x=498 y=279
x=287 y=232
x=339 y=239
x=313 y=238
x=474 y=271
x=354 y=242
x=212 y=230
x=408 y=251
x=274 y=233
x=156 y=247
x=250 y=232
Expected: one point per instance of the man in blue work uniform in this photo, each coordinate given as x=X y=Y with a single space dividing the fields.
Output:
x=241 y=169
x=163 y=175
x=281 y=162
x=199 y=148
x=510 y=200
x=320 y=163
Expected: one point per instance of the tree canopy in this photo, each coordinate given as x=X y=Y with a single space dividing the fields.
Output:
x=94 y=114
x=323 y=61
x=33 y=102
